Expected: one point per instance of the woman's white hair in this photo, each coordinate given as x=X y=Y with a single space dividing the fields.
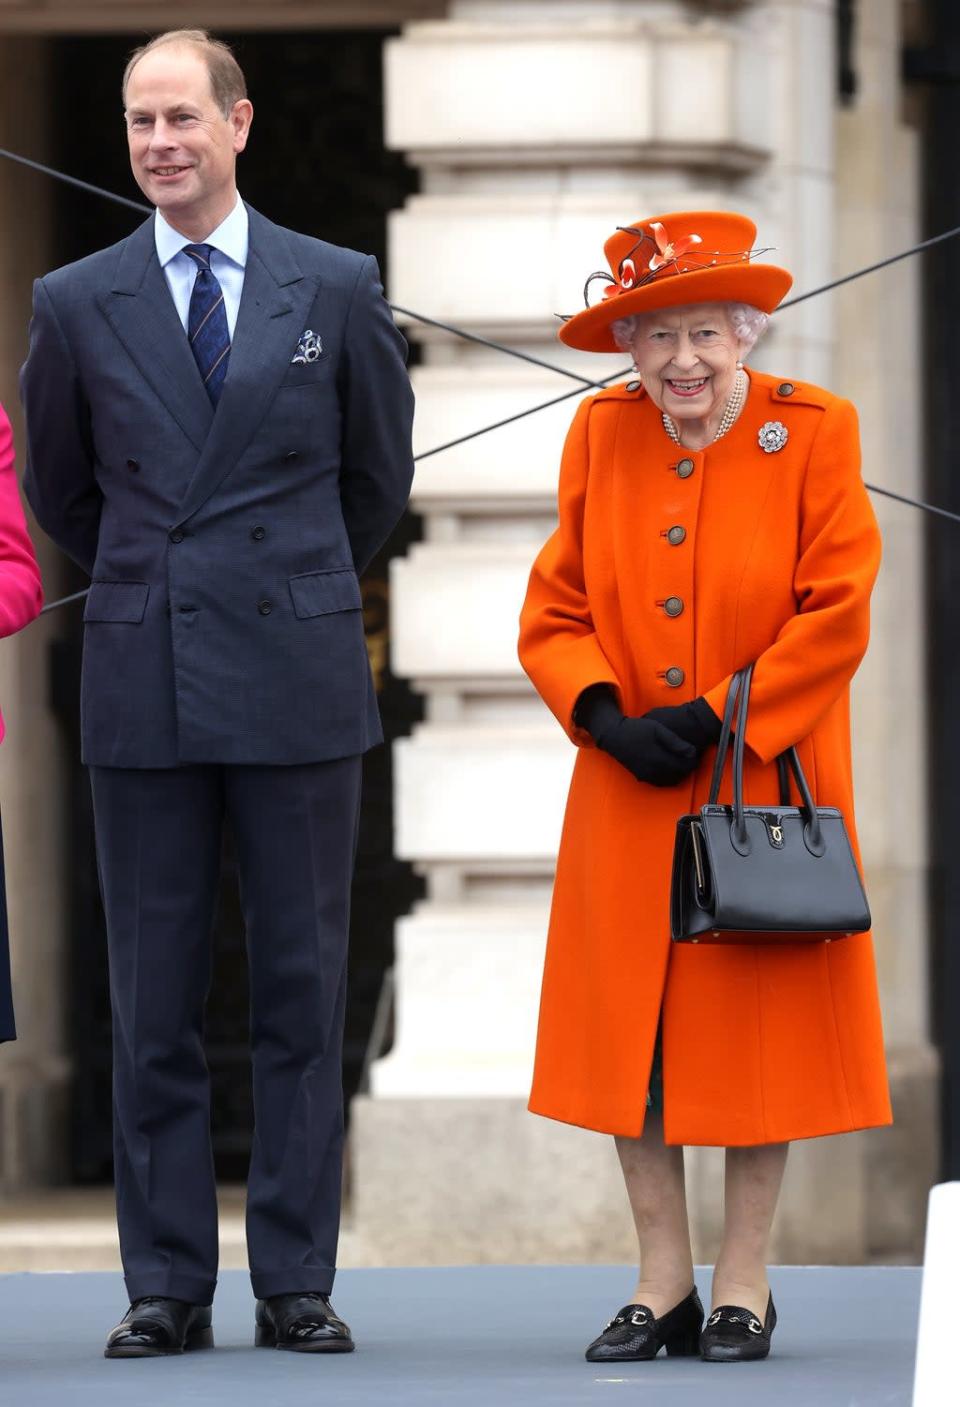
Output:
x=748 y=323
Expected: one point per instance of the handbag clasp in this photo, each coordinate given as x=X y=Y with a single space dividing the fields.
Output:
x=775 y=832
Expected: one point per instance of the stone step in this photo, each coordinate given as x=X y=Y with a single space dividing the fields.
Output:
x=74 y=1229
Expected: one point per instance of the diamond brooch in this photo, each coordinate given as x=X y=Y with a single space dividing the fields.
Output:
x=773 y=436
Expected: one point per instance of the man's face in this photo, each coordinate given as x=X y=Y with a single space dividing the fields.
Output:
x=183 y=150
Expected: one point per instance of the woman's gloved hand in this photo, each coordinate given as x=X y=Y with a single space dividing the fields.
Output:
x=646 y=748
x=695 y=722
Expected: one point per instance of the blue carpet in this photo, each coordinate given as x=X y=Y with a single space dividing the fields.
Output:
x=464 y=1337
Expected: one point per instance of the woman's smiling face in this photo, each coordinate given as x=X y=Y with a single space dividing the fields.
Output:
x=687 y=358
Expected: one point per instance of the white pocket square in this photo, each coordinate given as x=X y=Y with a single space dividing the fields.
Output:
x=308 y=348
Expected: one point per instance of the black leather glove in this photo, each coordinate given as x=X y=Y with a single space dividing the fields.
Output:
x=646 y=748
x=695 y=722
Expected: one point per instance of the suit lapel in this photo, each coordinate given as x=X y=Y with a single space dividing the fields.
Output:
x=275 y=303
x=142 y=314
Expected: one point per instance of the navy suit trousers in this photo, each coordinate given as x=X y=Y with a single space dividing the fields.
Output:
x=159 y=845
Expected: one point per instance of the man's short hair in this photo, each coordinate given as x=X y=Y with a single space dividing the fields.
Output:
x=227 y=82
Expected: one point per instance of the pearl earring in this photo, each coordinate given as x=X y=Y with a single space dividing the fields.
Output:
x=739 y=366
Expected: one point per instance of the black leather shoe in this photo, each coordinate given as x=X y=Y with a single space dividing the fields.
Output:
x=304 y=1322
x=155 y=1326
x=734 y=1335
x=635 y=1334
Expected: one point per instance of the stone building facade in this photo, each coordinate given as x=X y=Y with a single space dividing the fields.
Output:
x=536 y=126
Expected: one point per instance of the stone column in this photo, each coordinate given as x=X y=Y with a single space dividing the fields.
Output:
x=33 y=1071
x=878 y=365
x=537 y=127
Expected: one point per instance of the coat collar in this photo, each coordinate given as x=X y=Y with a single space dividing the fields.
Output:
x=276 y=300
x=141 y=312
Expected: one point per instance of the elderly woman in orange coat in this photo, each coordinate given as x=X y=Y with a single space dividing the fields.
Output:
x=709 y=516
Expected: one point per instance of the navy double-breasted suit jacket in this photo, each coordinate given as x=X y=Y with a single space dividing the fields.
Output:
x=224 y=620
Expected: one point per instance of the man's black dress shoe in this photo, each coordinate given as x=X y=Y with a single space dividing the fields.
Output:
x=304 y=1322
x=154 y=1327
x=734 y=1335
x=635 y=1334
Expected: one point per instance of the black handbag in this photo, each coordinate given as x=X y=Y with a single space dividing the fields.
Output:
x=763 y=874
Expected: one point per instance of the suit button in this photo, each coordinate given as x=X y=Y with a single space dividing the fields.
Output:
x=685 y=468
x=675 y=676
x=786 y=388
x=676 y=535
x=290 y=456
x=133 y=465
x=673 y=606
x=258 y=534
x=265 y=607
x=177 y=535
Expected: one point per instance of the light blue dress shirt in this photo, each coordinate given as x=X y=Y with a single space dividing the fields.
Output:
x=228 y=261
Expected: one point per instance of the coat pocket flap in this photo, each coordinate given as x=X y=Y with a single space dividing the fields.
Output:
x=118 y=601
x=322 y=593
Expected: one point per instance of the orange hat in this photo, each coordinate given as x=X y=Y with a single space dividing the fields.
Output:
x=691 y=256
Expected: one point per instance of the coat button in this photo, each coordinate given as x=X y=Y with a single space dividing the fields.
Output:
x=675 y=676
x=265 y=607
x=258 y=534
x=177 y=535
x=634 y=385
x=685 y=468
x=673 y=606
x=290 y=456
x=786 y=388
x=676 y=535
x=133 y=465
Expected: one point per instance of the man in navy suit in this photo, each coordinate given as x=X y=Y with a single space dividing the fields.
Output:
x=218 y=418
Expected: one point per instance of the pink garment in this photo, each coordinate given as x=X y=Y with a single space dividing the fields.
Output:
x=21 y=591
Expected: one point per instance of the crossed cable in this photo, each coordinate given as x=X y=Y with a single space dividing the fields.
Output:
x=584 y=383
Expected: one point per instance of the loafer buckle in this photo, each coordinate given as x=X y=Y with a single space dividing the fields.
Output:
x=752 y=1323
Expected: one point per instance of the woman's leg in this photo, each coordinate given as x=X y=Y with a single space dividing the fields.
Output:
x=654 y=1177
x=751 y=1189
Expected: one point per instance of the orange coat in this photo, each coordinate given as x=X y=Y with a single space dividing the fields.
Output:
x=777 y=565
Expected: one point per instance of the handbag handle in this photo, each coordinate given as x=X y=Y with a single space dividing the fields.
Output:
x=723 y=742
x=738 y=696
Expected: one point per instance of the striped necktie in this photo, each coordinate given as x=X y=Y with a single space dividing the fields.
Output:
x=207 y=322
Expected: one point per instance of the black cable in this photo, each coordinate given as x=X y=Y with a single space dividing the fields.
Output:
x=915 y=503
x=497 y=346
x=406 y=312
x=509 y=420
x=524 y=356
x=874 y=488
x=64 y=601
x=74 y=181
x=872 y=268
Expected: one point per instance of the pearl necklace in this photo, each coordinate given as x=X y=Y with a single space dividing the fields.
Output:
x=731 y=411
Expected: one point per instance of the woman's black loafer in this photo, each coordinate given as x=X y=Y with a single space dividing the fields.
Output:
x=735 y=1335
x=635 y=1334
